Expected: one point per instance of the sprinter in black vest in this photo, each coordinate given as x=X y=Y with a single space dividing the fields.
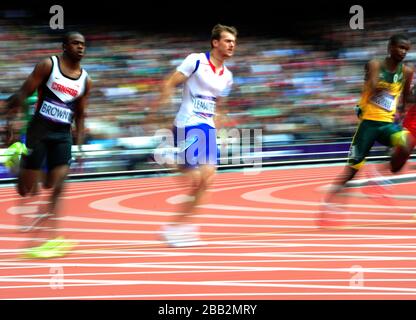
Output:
x=63 y=88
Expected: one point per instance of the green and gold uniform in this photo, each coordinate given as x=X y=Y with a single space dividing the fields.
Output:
x=377 y=116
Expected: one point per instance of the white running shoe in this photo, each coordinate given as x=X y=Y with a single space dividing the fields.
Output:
x=179 y=236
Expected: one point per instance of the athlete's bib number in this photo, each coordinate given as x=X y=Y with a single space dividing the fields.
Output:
x=56 y=113
x=203 y=106
x=384 y=100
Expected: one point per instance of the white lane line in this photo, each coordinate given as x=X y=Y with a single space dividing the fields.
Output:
x=219 y=245
x=309 y=255
x=139 y=265
x=48 y=275
x=226 y=242
x=222 y=207
x=163 y=189
x=91 y=194
x=170 y=181
x=220 y=261
x=224 y=245
x=71 y=218
x=279 y=245
x=265 y=196
x=249 y=224
x=247 y=243
x=89 y=248
x=77 y=190
x=230 y=295
x=279 y=227
x=157 y=186
x=113 y=203
x=239 y=262
x=220 y=216
x=93 y=283
x=143 y=182
x=213 y=269
x=292 y=236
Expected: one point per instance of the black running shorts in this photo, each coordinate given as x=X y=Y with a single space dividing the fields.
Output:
x=46 y=147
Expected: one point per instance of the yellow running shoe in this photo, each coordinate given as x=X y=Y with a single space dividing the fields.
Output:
x=53 y=248
x=64 y=247
x=12 y=155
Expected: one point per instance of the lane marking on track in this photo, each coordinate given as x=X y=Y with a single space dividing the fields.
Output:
x=265 y=196
x=206 y=296
x=92 y=283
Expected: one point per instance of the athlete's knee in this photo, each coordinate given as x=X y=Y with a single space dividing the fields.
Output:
x=400 y=139
x=356 y=165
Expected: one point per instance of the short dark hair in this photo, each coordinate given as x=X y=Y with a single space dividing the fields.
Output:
x=219 y=28
x=396 y=38
x=68 y=35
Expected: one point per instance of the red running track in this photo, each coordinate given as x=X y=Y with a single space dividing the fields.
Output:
x=261 y=242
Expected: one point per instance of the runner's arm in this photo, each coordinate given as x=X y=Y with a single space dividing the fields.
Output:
x=80 y=108
x=166 y=91
x=40 y=73
x=372 y=69
x=34 y=80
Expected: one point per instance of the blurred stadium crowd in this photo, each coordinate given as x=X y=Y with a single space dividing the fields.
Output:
x=298 y=90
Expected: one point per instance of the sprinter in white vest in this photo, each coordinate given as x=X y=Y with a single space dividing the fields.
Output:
x=205 y=79
x=63 y=87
